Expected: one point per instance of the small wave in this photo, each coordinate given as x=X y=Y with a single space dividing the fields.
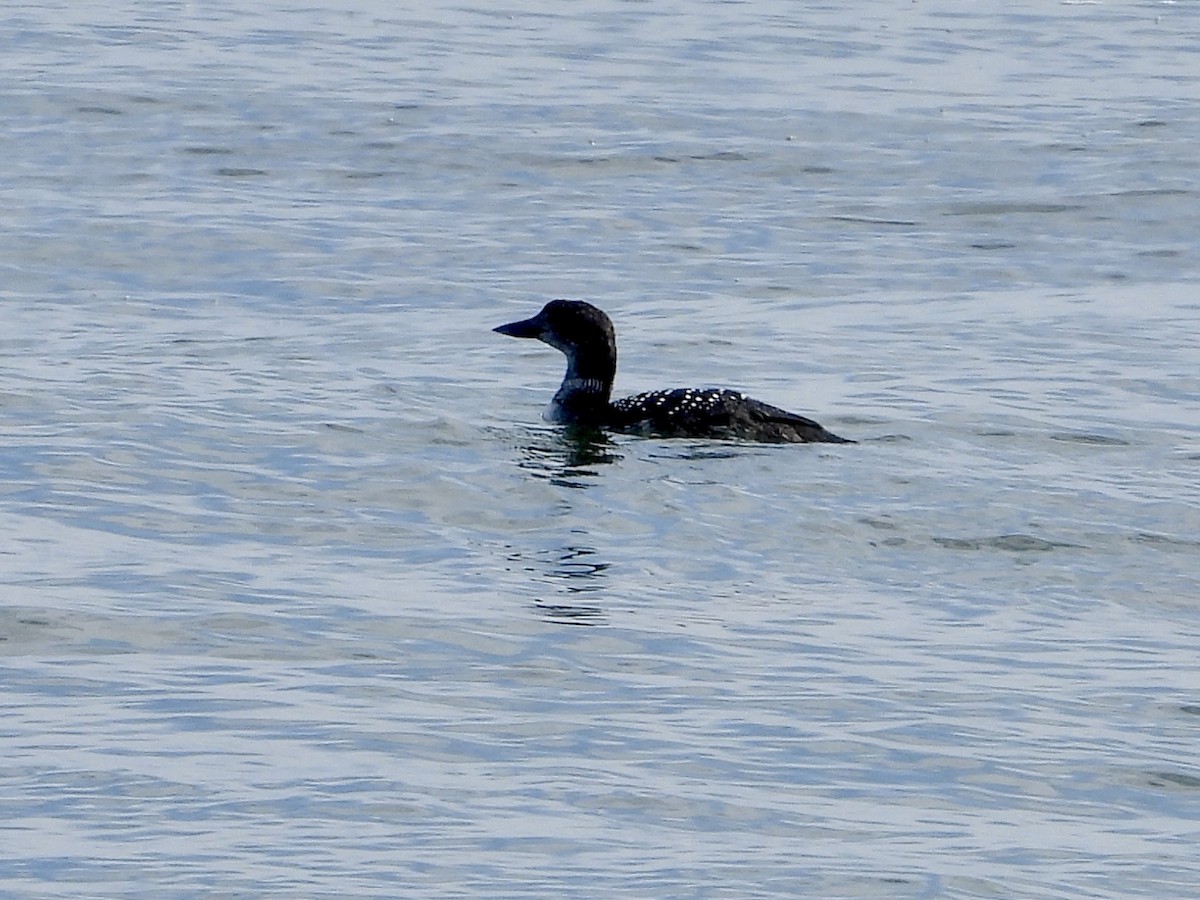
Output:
x=1015 y=543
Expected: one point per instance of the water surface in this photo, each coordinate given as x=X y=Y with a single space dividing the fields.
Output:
x=302 y=597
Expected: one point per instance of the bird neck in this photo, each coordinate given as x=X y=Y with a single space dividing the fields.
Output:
x=582 y=398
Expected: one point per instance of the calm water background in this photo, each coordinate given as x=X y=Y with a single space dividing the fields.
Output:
x=301 y=597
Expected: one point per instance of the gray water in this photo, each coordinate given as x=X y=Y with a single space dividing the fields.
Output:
x=301 y=597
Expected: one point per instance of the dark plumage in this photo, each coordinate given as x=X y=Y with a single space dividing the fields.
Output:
x=586 y=336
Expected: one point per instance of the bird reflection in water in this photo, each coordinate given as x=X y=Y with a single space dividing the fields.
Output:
x=581 y=573
x=568 y=456
x=571 y=458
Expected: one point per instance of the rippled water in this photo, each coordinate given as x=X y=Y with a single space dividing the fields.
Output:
x=301 y=596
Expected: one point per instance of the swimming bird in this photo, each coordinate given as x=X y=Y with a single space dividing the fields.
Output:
x=587 y=338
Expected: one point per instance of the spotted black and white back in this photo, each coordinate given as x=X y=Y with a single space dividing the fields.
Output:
x=704 y=412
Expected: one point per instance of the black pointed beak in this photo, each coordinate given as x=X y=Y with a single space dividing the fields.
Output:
x=526 y=328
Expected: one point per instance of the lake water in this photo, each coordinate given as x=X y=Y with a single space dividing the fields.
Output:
x=302 y=598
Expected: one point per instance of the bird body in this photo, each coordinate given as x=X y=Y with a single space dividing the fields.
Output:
x=585 y=335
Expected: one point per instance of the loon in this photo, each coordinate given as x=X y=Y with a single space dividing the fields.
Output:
x=587 y=338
